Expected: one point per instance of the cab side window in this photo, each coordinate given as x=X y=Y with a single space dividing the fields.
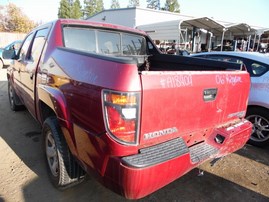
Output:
x=38 y=44
x=24 y=55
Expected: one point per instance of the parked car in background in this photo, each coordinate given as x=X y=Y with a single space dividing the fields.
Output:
x=224 y=48
x=257 y=65
x=15 y=45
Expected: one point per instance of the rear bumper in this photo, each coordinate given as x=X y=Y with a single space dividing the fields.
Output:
x=139 y=175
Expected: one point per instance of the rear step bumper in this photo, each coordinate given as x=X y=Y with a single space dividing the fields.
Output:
x=169 y=150
x=157 y=154
x=139 y=175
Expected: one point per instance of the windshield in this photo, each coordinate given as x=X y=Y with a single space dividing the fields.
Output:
x=13 y=46
x=104 y=41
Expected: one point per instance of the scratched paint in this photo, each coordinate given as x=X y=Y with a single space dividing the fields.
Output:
x=237 y=114
x=176 y=81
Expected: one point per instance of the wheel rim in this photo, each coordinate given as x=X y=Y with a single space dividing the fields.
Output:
x=11 y=97
x=51 y=153
x=260 y=128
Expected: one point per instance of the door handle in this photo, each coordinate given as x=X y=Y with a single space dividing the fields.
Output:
x=44 y=76
x=210 y=94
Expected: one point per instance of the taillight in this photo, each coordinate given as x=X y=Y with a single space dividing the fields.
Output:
x=121 y=111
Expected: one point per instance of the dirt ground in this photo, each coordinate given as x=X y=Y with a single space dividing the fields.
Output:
x=242 y=176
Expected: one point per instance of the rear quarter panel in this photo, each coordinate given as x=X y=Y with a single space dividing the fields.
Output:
x=80 y=78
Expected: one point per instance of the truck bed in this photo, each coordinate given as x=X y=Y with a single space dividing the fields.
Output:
x=164 y=62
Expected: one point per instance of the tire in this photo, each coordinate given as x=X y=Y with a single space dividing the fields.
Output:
x=63 y=170
x=259 y=117
x=14 y=100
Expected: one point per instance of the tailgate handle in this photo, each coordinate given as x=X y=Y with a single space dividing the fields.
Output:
x=210 y=94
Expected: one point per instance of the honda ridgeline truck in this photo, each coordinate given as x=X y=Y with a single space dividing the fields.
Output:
x=111 y=104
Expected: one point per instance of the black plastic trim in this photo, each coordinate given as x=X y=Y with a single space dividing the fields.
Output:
x=186 y=63
x=157 y=154
x=201 y=152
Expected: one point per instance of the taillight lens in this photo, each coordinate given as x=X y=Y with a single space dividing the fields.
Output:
x=121 y=115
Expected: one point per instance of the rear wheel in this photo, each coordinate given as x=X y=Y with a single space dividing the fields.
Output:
x=259 y=117
x=14 y=100
x=62 y=167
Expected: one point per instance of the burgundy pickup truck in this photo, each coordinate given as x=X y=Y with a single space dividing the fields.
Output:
x=111 y=104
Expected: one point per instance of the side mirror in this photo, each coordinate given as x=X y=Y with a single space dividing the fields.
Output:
x=9 y=54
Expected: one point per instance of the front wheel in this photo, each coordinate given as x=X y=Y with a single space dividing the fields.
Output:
x=260 y=130
x=62 y=167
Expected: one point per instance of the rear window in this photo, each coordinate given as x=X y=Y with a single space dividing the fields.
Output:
x=109 y=43
x=104 y=41
x=80 y=39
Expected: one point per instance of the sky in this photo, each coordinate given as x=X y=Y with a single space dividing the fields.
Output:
x=252 y=12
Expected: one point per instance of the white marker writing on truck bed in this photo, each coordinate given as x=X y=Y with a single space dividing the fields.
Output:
x=176 y=81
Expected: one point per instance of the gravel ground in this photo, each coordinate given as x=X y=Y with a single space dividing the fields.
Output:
x=242 y=176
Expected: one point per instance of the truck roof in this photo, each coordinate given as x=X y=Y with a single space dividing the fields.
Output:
x=98 y=24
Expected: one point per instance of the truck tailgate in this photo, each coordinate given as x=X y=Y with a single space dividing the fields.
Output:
x=178 y=103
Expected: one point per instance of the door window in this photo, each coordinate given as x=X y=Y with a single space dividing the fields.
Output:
x=24 y=55
x=38 y=44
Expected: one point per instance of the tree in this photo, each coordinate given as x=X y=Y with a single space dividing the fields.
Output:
x=76 y=10
x=64 y=10
x=172 y=6
x=93 y=6
x=14 y=20
x=2 y=19
x=70 y=9
x=133 y=3
x=153 y=4
x=115 y=4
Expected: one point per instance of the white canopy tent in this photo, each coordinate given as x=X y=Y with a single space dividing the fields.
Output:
x=266 y=31
x=242 y=30
x=260 y=33
x=177 y=29
x=163 y=25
